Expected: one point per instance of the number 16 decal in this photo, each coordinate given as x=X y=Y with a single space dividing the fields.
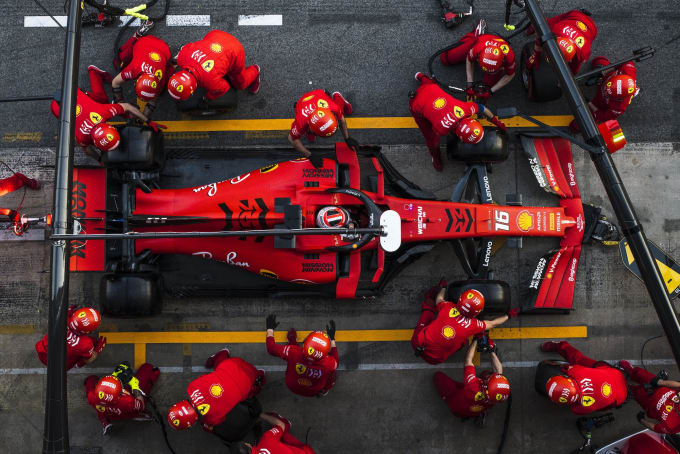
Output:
x=502 y=220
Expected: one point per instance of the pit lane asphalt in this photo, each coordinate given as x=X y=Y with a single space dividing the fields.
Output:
x=390 y=410
x=368 y=50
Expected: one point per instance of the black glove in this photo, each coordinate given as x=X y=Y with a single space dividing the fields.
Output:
x=419 y=351
x=118 y=94
x=124 y=372
x=640 y=415
x=316 y=160
x=352 y=144
x=330 y=329
x=271 y=321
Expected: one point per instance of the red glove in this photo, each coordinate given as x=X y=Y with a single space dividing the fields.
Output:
x=499 y=124
x=100 y=344
x=514 y=312
x=483 y=96
x=470 y=92
x=156 y=126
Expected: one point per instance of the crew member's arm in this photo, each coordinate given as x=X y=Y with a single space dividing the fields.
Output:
x=330 y=330
x=297 y=144
x=273 y=348
x=650 y=423
x=495 y=322
x=668 y=384
x=470 y=354
x=343 y=128
x=134 y=111
x=505 y=80
x=496 y=363
x=117 y=87
x=273 y=420
x=469 y=70
x=440 y=296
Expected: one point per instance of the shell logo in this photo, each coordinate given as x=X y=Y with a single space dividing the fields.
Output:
x=476 y=408
x=304 y=382
x=154 y=56
x=453 y=312
x=581 y=25
x=269 y=274
x=78 y=109
x=448 y=332
x=439 y=103
x=322 y=103
x=525 y=221
x=203 y=409
x=606 y=389
x=548 y=276
x=216 y=390
x=307 y=98
x=215 y=47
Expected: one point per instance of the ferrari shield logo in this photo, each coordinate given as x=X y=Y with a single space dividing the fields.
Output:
x=208 y=65
x=453 y=313
x=94 y=118
x=158 y=74
x=203 y=409
x=300 y=369
x=580 y=41
x=458 y=112
x=505 y=48
x=321 y=103
x=479 y=396
x=587 y=401
x=100 y=408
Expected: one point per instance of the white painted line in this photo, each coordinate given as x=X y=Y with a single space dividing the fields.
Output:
x=123 y=20
x=282 y=368
x=44 y=21
x=260 y=19
x=190 y=20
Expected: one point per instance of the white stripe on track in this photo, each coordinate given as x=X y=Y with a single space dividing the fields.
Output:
x=44 y=21
x=187 y=20
x=282 y=368
x=260 y=19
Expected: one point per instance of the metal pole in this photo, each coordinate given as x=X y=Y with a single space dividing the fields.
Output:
x=616 y=191
x=55 y=436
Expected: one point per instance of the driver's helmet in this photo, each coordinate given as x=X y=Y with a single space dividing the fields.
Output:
x=332 y=217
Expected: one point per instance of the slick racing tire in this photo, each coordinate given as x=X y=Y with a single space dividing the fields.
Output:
x=492 y=148
x=545 y=370
x=541 y=82
x=496 y=294
x=131 y=294
x=141 y=148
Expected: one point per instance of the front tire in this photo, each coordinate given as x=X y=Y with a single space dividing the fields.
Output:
x=131 y=294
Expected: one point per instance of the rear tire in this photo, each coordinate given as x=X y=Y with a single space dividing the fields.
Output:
x=541 y=82
x=496 y=294
x=131 y=294
x=140 y=148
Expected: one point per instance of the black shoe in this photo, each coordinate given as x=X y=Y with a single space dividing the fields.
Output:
x=663 y=374
x=146 y=26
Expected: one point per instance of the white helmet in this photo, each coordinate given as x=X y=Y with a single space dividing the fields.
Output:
x=332 y=217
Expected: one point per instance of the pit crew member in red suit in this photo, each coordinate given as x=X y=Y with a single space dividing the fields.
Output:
x=437 y=113
x=212 y=396
x=476 y=395
x=658 y=396
x=318 y=114
x=587 y=385
x=311 y=369
x=278 y=439
x=575 y=32
x=144 y=59
x=115 y=401
x=11 y=184
x=493 y=54
x=444 y=329
x=615 y=92
x=81 y=349
x=208 y=62
x=92 y=113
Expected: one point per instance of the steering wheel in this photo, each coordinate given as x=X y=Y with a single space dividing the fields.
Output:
x=373 y=219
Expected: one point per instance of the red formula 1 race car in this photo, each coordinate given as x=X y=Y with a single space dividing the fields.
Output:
x=268 y=203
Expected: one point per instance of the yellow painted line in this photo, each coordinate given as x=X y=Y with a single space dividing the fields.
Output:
x=283 y=124
x=22 y=137
x=18 y=329
x=139 y=354
x=386 y=335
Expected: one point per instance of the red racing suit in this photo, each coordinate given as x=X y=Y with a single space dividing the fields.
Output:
x=308 y=104
x=89 y=113
x=661 y=405
x=466 y=399
x=436 y=112
x=580 y=28
x=146 y=55
x=443 y=334
x=278 y=441
x=601 y=386
x=472 y=46
x=127 y=407
x=79 y=347
x=215 y=394
x=609 y=109
x=303 y=376
x=217 y=55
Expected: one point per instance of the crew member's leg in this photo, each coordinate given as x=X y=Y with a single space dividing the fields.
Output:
x=240 y=76
x=97 y=78
x=217 y=358
x=125 y=53
x=341 y=101
x=572 y=355
x=446 y=386
x=458 y=54
x=90 y=383
x=330 y=382
x=147 y=376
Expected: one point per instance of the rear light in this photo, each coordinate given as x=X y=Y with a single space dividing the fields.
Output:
x=613 y=135
x=48 y=220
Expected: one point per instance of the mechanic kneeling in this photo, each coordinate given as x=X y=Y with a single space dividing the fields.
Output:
x=658 y=396
x=122 y=395
x=212 y=396
x=444 y=329
x=586 y=385
x=278 y=439
x=437 y=113
x=81 y=349
x=208 y=63
x=494 y=56
x=311 y=370
x=477 y=394
x=317 y=114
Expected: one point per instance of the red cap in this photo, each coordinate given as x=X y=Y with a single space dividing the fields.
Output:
x=567 y=47
x=105 y=137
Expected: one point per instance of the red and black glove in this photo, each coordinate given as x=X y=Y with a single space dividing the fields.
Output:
x=499 y=124
x=156 y=126
x=483 y=96
x=100 y=344
x=514 y=312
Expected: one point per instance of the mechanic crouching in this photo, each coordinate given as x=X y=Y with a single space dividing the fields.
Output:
x=278 y=439
x=212 y=396
x=122 y=395
x=437 y=114
x=443 y=327
x=493 y=55
x=477 y=394
x=658 y=396
x=208 y=63
x=311 y=370
x=585 y=385
x=81 y=349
